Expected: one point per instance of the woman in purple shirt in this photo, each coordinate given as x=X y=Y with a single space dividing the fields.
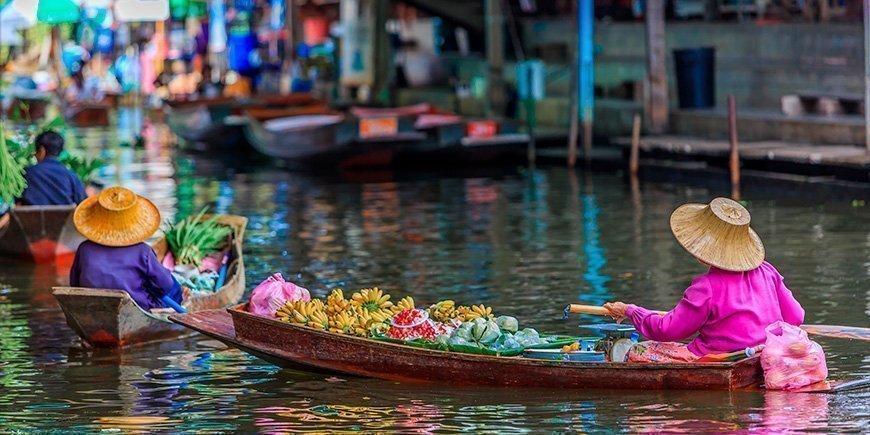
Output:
x=729 y=306
x=116 y=222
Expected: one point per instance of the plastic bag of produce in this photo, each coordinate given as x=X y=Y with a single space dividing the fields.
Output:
x=273 y=293
x=790 y=359
x=508 y=323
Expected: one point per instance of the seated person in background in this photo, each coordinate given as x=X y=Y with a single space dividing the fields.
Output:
x=730 y=306
x=49 y=182
x=116 y=224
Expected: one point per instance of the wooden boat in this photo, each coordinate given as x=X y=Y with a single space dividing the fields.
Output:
x=110 y=318
x=88 y=114
x=40 y=234
x=301 y=347
x=459 y=140
x=216 y=123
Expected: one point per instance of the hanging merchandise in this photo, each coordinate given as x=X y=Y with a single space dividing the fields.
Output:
x=178 y=9
x=104 y=41
x=198 y=9
x=241 y=41
x=276 y=15
x=57 y=11
x=217 y=32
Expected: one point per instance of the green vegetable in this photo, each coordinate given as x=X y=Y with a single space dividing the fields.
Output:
x=485 y=332
x=12 y=181
x=507 y=323
x=83 y=167
x=191 y=239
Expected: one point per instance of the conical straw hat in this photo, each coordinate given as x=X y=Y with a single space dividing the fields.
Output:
x=718 y=234
x=116 y=217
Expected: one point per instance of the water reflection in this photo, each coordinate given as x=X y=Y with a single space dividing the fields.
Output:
x=525 y=243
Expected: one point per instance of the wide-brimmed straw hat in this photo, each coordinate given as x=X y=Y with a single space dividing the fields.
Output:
x=718 y=234
x=116 y=217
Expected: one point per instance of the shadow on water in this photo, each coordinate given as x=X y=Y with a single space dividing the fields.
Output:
x=525 y=242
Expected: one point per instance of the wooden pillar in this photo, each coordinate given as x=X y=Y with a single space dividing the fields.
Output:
x=495 y=56
x=291 y=23
x=867 y=74
x=380 y=48
x=657 y=77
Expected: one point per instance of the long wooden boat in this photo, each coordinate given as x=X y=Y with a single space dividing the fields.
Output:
x=459 y=141
x=40 y=234
x=216 y=123
x=110 y=318
x=301 y=347
x=88 y=114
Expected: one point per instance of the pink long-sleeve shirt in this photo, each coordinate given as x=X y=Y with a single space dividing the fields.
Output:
x=728 y=310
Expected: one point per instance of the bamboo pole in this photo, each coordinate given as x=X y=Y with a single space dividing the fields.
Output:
x=634 y=155
x=734 y=158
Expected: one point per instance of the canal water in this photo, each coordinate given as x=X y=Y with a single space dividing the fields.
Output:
x=525 y=242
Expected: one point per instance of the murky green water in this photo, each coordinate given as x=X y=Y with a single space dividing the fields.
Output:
x=523 y=242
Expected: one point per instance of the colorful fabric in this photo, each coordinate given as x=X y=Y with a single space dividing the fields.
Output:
x=658 y=352
x=51 y=183
x=728 y=310
x=134 y=269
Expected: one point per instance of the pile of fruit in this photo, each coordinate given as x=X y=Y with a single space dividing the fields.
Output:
x=370 y=313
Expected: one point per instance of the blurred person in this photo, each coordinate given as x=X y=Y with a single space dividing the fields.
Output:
x=49 y=182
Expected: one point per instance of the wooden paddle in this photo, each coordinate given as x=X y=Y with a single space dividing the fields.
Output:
x=850 y=332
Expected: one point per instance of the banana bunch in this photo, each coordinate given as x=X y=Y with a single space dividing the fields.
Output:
x=407 y=303
x=479 y=311
x=443 y=311
x=304 y=313
x=345 y=323
x=336 y=303
x=371 y=300
x=372 y=324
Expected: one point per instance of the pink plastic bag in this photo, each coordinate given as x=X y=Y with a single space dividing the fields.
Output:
x=790 y=359
x=273 y=293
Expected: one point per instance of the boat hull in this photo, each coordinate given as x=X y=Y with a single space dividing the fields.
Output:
x=300 y=347
x=110 y=318
x=39 y=234
x=88 y=115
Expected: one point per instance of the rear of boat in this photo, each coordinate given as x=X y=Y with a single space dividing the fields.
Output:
x=39 y=234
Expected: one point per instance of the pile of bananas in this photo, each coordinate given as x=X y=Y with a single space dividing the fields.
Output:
x=446 y=310
x=366 y=313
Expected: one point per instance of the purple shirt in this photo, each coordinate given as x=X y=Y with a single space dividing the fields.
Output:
x=728 y=310
x=49 y=182
x=134 y=269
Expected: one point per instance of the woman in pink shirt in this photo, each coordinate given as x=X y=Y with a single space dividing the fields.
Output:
x=729 y=306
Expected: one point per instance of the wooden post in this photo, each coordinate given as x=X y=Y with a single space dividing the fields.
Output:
x=867 y=74
x=292 y=27
x=495 y=56
x=656 y=70
x=734 y=160
x=634 y=155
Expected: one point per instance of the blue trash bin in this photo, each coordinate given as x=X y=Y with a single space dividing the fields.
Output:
x=696 y=77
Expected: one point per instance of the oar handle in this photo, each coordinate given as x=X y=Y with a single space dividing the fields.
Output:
x=594 y=310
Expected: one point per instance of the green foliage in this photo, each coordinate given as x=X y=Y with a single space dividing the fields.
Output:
x=192 y=238
x=83 y=167
x=12 y=181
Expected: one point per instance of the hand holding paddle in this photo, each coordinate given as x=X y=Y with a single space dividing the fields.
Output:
x=850 y=332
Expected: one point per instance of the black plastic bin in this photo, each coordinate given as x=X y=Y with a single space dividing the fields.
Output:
x=696 y=77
